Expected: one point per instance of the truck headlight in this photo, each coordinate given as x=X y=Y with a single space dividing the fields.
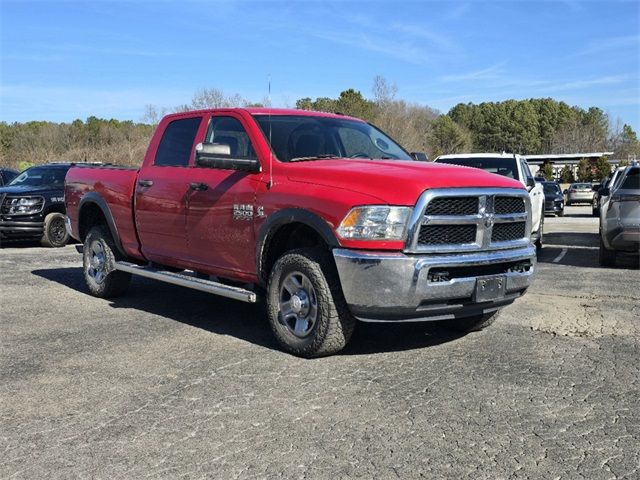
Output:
x=24 y=206
x=375 y=223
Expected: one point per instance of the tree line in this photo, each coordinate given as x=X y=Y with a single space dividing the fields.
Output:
x=531 y=126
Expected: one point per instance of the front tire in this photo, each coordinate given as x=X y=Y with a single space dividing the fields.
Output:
x=55 y=233
x=99 y=258
x=305 y=304
x=471 y=324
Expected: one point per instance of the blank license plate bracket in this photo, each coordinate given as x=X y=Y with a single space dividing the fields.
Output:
x=489 y=289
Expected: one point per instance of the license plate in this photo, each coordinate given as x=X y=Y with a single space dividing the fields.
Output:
x=490 y=288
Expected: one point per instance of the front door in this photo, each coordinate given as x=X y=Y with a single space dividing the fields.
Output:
x=222 y=205
x=162 y=191
x=536 y=194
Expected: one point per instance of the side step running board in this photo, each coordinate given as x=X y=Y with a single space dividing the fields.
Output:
x=189 y=281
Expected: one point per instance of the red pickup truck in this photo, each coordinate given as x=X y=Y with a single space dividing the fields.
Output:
x=323 y=215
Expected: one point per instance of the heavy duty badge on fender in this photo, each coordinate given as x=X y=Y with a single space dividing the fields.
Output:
x=242 y=212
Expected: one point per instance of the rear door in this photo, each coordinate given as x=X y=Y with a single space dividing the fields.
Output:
x=162 y=191
x=222 y=203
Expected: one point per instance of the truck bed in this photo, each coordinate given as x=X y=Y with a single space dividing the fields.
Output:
x=114 y=184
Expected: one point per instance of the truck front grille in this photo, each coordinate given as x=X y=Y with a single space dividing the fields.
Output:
x=507 y=205
x=470 y=219
x=453 y=206
x=446 y=234
x=506 y=232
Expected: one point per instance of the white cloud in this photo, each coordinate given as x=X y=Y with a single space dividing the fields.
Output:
x=489 y=73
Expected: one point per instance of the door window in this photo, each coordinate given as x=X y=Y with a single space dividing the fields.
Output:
x=525 y=170
x=177 y=142
x=230 y=132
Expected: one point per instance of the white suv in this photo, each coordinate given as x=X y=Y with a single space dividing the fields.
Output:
x=513 y=166
x=620 y=216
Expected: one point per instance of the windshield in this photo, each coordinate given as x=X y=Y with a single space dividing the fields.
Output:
x=500 y=166
x=41 y=177
x=298 y=137
x=551 y=188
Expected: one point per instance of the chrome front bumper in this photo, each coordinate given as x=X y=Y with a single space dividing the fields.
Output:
x=386 y=287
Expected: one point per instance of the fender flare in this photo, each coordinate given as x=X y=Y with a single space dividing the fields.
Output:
x=284 y=217
x=96 y=199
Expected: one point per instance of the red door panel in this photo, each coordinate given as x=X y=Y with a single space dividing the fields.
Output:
x=161 y=213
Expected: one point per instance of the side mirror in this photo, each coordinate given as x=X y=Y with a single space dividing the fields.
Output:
x=595 y=187
x=218 y=155
x=420 y=156
x=565 y=191
x=605 y=192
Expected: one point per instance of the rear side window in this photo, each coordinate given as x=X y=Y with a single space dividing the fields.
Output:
x=632 y=180
x=177 y=142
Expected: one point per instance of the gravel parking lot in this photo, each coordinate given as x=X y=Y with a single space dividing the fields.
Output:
x=169 y=382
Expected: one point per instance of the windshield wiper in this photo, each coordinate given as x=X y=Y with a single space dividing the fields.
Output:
x=314 y=157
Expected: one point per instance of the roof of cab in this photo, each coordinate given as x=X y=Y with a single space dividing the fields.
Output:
x=268 y=111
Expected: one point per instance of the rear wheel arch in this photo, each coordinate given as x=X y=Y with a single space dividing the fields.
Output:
x=93 y=211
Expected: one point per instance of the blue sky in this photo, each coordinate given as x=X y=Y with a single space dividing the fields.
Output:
x=71 y=59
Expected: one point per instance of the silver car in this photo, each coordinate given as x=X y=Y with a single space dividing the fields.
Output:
x=620 y=217
x=579 y=193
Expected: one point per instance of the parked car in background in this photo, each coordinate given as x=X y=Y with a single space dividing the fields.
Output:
x=6 y=175
x=32 y=205
x=512 y=166
x=579 y=193
x=553 y=198
x=620 y=217
x=598 y=198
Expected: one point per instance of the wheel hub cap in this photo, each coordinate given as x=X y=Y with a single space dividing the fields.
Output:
x=298 y=304
x=96 y=262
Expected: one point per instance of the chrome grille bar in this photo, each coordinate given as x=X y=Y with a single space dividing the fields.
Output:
x=484 y=219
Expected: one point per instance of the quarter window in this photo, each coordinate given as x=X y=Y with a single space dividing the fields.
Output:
x=177 y=142
x=230 y=132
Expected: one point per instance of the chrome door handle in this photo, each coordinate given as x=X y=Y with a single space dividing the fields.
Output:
x=145 y=183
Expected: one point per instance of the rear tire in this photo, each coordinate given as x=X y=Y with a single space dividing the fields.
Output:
x=55 y=233
x=471 y=324
x=99 y=258
x=607 y=258
x=305 y=304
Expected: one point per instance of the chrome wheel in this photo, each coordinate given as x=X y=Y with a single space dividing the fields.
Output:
x=298 y=304
x=96 y=262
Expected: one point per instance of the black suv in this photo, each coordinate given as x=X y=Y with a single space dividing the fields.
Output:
x=32 y=205
x=553 y=198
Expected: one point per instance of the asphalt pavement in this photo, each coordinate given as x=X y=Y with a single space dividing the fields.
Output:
x=168 y=382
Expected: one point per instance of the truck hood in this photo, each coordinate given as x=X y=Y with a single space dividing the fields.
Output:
x=29 y=190
x=394 y=182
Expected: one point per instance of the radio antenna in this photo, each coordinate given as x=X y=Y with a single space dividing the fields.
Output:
x=270 y=144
